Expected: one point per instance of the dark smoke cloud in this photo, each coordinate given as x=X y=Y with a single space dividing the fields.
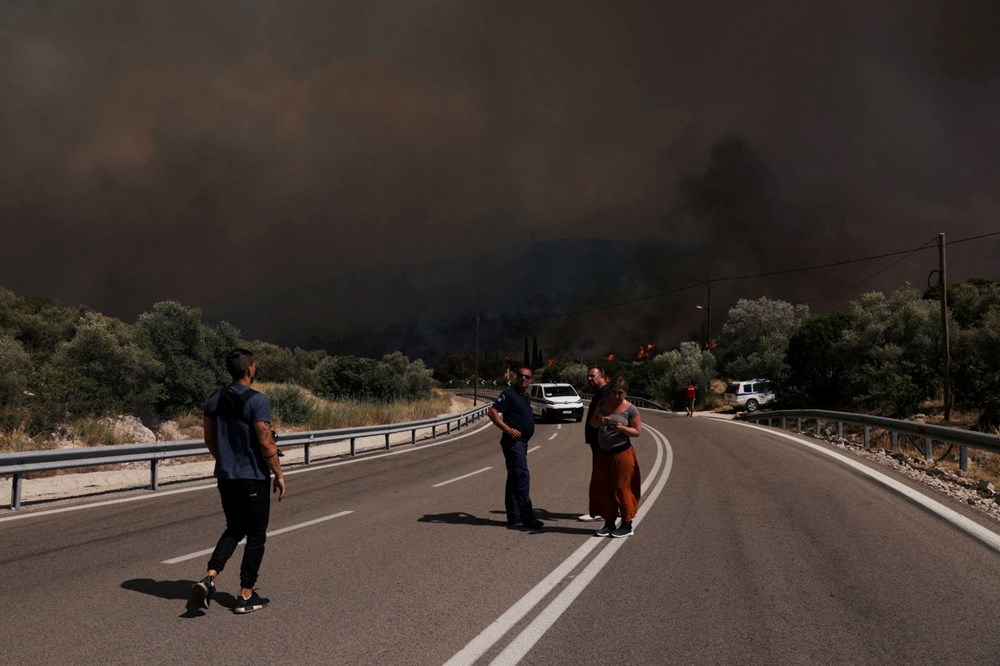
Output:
x=149 y=148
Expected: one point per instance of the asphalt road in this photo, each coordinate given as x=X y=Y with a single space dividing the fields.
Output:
x=750 y=548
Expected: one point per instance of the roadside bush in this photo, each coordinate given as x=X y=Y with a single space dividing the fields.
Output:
x=15 y=369
x=291 y=404
x=352 y=378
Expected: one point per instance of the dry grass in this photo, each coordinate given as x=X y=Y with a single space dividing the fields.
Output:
x=350 y=413
x=714 y=399
x=19 y=440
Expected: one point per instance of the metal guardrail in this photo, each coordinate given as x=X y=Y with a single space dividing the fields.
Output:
x=17 y=465
x=965 y=439
x=636 y=400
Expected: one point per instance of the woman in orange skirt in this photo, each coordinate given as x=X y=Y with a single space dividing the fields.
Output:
x=616 y=482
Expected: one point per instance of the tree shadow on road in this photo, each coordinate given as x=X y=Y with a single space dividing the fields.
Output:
x=176 y=590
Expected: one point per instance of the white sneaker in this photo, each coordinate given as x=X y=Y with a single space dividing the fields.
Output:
x=587 y=517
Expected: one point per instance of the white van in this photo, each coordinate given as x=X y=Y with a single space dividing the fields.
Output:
x=551 y=402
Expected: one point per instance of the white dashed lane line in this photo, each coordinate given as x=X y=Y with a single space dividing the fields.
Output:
x=309 y=523
x=459 y=478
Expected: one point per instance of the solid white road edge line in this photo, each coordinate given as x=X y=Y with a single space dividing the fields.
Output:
x=988 y=537
x=459 y=478
x=308 y=523
x=499 y=627
x=303 y=470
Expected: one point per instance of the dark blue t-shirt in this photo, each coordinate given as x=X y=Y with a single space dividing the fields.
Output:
x=516 y=411
x=239 y=455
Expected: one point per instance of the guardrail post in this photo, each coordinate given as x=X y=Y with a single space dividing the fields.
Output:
x=840 y=430
x=798 y=424
x=353 y=448
x=305 y=453
x=386 y=441
x=963 y=457
x=894 y=441
x=447 y=427
x=928 y=449
x=154 y=477
x=819 y=427
x=784 y=422
x=434 y=430
x=868 y=437
x=15 y=491
x=413 y=437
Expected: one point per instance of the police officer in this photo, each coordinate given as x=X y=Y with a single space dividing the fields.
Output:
x=511 y=412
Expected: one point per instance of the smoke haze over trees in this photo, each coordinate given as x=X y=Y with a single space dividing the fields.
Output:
x=145 y=146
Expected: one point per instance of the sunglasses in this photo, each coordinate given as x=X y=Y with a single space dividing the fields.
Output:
x=521 y=375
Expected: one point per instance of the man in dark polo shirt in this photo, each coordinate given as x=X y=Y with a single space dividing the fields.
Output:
x=511 y=412
x=238 y=435
x=599 y=385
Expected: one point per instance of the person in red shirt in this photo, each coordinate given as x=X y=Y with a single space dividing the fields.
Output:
x=690 y=395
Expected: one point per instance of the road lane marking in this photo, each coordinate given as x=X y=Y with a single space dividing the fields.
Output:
x=308 y=523
x=988 y=537
x=553 y=436
x=311 y=468
x=534 y=448
x=459 y=478
x=490 y=636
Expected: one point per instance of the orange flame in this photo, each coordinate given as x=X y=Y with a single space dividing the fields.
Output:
x=550 y=363
x=610 y=357
x=646 y=351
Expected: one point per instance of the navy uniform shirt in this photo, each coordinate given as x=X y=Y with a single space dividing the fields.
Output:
x=516 y=411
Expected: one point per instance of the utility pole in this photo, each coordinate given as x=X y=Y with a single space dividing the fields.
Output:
x=475 y=387
x=945 y=340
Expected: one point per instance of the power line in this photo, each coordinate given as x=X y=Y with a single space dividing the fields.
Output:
x=925 y=246
x=904 y=254
x=750 y=276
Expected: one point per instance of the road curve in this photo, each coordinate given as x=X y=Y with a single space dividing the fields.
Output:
x=750 y=548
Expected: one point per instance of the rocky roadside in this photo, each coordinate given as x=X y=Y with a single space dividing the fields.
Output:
x=977 y=493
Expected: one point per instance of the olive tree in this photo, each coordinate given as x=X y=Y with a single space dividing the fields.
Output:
x=102 y=370
x=192 y=354
x=892 y=351
x=674 y=369
x=755 y=338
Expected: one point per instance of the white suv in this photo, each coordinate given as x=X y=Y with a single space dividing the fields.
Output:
x=749 y=394
x=556 y=401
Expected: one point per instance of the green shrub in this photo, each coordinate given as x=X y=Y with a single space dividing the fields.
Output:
x=291 y=404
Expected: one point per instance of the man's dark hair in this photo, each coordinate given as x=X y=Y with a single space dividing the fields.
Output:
x=598 y=368
x=238 y=362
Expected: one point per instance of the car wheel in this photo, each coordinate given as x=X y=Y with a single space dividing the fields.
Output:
x=751 y=405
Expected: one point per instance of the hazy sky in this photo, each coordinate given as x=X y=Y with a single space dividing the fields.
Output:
x=220 y=152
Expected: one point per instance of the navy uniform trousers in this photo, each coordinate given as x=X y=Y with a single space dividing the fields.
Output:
x=517 y=492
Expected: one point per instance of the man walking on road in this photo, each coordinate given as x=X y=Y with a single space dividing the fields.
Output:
x=238 y=435
x=511 y=412
x=690 y=396
x=599 y=383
